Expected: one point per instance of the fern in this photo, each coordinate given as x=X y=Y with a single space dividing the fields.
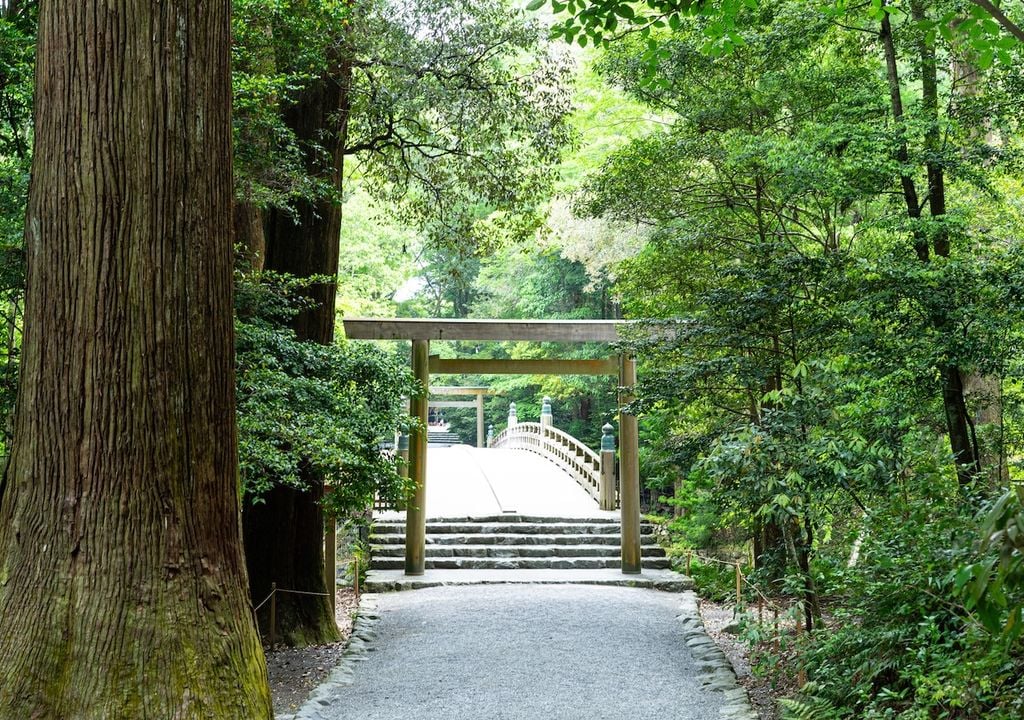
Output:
x=808 y=707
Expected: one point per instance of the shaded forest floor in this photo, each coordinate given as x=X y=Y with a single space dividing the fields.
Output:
x=294 y=672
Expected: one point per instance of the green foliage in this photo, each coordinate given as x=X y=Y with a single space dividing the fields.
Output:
x=455 y=110
x=17 y=63
x=303 y=406
x=983 y=25
x=280 y=48
x=993 y=587
x=797 y=399
x=807 y=706
x=456 y=106
x=902 y=644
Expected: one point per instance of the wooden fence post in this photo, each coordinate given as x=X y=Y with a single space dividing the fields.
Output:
x=331 y=557
x=801 y=673
x=739 y=584
x=273 y=615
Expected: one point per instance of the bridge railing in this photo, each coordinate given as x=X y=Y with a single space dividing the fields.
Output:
x=595 y=472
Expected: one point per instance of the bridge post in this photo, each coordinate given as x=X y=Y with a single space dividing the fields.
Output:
x=513 y=420
x=546 y=419
x=490 y=435
x=480 y=420
x=415 y=511
x=606 y=492
x=629 y=470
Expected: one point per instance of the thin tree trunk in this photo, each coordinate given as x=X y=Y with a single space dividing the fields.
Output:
x=910 y=197
x=122 y=581
x=284 y=535
x=958 y=423
x=964 y=450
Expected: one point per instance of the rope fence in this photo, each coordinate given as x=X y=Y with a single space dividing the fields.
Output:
x=762 y=601
x=272 y=599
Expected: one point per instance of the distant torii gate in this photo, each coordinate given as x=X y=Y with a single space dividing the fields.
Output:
x=477 y=403
x=421 y=331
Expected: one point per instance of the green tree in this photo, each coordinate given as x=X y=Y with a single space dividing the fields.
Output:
x=448 y=112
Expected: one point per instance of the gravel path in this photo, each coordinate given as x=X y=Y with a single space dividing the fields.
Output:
x=516 y=652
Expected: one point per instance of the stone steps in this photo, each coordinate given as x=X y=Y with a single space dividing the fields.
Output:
x=510 y=539
x=439 y=438
x=467 y=528
x=557 y=563
x=513 y=542
x=512 y=551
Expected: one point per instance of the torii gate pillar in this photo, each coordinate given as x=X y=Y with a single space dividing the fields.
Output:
x=415 y=510
x=629 y=470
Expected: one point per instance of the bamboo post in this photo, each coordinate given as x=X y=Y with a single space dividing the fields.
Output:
x=331 y=556
x=775 y=624
x=629 y=470
x=273 y=615
x=415 y=512
x=355 y=577
x=607 y=490
x=801 y=674
x=677 y=492
x=739 y=584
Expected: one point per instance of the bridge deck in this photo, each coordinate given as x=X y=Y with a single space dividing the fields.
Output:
x=464 y=481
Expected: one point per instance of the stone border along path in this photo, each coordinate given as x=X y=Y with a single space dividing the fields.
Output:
x=715 y=672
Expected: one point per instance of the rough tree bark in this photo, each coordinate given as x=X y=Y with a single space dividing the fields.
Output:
x=122 y=581
x=284 y=535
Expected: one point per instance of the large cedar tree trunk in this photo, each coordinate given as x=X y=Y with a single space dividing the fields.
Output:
x=284 y=535
x=122 y=581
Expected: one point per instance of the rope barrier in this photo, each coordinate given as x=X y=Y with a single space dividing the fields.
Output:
x=255 y=609
x=762 y=598
x=303 y=592
x=274 y=590
x=739 y=572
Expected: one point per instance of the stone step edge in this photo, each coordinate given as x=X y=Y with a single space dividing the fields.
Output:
x=449 y=538
x=609 y=550
x=510 y=529
x=394 y=581
x=520 y=564
x=506 y=519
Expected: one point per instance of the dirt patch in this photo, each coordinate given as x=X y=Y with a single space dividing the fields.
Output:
x=294 y=672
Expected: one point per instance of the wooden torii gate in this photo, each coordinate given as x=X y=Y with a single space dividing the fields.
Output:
x=421 y=331
x=477 y=403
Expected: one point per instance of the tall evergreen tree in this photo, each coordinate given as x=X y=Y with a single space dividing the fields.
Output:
x=122 y=582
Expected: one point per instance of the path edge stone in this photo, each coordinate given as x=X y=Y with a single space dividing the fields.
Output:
x=716 y=671
x=364 y=630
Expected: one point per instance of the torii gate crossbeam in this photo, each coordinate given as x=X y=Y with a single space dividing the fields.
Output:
x=421 y=331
